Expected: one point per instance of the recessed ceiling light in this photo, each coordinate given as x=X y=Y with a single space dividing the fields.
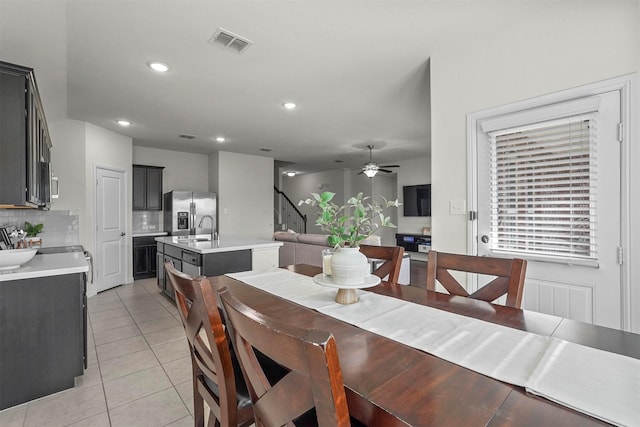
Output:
x=124 y=123
x=159 y=67
x=289 y=105
x=290 y=173
x=221 y=138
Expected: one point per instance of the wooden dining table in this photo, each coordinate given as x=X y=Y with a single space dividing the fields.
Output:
x=390 y=384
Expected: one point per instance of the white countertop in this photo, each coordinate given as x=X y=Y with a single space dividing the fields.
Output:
x=149 y=234
x=226 y=243
x=48 y=265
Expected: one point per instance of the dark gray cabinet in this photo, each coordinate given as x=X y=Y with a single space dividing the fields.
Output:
x=25 y=144
x=197 y=264
x=147 y=188
x=144 y=257
x=42 y=336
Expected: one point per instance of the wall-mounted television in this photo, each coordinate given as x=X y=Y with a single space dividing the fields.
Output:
x=417 y=200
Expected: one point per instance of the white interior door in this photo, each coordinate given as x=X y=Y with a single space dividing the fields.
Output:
x=577 y=274
x=110 y=263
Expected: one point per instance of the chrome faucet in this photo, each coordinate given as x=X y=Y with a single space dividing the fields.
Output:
x=214 y=233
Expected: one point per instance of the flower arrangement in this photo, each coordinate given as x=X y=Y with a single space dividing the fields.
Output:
x=351 y=223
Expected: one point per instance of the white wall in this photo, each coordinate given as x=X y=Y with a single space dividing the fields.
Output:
x=67 y=159
x=386 y=186
x=300 y=187
x=106 y=149
x=245 y=195
x=182 y=171
x=78 y=148
x=214 y=184
x=558 y=46
x=32 y=34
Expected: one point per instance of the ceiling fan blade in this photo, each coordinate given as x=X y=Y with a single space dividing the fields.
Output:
x=360 y=173
x=385 y=170
x=390 y=166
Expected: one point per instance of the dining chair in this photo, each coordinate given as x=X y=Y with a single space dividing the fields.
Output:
x=312 y=393
x=217 y=378
x=392 y=256
x=509 y=276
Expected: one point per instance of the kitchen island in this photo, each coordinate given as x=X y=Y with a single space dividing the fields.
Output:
x=199 y=255
x=43 y=326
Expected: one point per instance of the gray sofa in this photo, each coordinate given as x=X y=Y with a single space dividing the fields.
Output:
x=301 y=248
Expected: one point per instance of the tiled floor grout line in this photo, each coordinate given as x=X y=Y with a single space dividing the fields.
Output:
x=154 y=355
x=95 y=350
x=98 y=362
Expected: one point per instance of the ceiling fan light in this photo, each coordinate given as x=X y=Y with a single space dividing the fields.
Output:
x=370 y=172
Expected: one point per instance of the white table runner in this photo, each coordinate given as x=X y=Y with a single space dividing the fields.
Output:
x=602 y=384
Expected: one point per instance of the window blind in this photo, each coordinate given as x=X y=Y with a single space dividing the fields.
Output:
x=543 y=189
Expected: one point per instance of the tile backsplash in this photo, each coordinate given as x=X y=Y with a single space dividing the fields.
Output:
x=60 y=228
x=146 y=221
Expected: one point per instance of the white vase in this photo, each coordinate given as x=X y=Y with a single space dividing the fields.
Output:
x=349 y=266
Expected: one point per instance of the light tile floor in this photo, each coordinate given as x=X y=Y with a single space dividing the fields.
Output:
x=139 y=368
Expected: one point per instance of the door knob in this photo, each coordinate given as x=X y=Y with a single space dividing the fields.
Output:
x=123 y=233
x=485 y=239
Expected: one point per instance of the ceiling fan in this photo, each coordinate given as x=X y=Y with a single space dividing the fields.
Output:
x=371 y=168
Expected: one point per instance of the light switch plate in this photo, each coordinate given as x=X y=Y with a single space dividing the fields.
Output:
x=457 y=207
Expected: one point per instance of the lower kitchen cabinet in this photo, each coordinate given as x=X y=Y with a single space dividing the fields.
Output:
x=144 y=257
x=42 y=336
x=197 y=264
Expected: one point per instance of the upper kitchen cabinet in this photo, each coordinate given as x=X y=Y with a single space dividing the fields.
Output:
x=25 y=144
x=147 y=188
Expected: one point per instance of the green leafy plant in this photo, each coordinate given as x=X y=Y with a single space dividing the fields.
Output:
x=32 y=230
x=349 y=224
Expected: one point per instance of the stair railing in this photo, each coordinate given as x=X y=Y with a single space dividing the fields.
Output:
x=287 y=214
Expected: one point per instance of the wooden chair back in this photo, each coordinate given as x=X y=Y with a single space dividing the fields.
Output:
x=214 y=378
x=313 y=382
x=392 y=256
x=509 y=276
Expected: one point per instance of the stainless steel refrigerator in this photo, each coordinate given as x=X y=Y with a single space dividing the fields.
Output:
x=184 y=212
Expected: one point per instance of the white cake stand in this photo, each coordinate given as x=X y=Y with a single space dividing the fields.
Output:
x=346 y=293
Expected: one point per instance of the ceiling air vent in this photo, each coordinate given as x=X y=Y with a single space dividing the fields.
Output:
x=187 y=136
x=229 y=40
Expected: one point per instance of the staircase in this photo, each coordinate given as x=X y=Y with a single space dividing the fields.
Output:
x=286 y=214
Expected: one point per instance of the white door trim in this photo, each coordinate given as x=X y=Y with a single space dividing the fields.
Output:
x=630 y=151
x=127 y=256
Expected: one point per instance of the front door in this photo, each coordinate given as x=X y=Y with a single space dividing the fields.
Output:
x=110 y=229
x=549 y=190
